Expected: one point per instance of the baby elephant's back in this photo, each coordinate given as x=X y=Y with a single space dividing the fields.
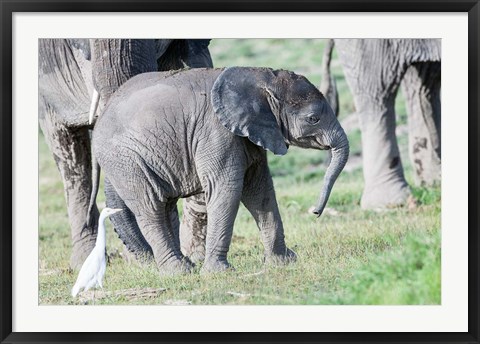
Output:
x=148 y=98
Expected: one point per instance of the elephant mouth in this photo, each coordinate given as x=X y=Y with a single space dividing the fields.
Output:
x=312 y=142
x=323 y=146
x=318 y=142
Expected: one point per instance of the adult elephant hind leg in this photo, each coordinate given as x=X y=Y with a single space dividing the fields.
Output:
x=421 y=86
x=259 y=198
x=385 y=184
x=126 y=226
x=373 y=70
x=71 y=151
x=193 y=229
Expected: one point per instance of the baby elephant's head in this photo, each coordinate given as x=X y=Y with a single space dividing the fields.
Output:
x=275 y=108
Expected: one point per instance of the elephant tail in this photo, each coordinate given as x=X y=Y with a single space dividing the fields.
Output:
x=90 y=221
x=328 y=86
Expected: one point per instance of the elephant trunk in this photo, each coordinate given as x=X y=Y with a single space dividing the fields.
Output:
x=340 y=150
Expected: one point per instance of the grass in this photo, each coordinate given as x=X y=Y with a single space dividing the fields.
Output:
x=347 y=256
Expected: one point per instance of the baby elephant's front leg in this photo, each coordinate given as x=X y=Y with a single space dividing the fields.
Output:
x=222 y=208
x=259 y=198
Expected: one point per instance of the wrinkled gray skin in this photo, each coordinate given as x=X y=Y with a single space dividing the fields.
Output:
x=421 y=87
x=165 y=136
x=374 y=70
x=69 y=69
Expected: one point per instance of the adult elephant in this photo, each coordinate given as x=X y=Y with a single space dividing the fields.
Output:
x=374 y=70
x=165 y=136
x=71 y=73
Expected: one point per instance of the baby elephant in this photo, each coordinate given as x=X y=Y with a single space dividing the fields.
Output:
x=164 y=136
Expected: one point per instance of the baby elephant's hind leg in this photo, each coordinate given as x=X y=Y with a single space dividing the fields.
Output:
x=140 y=188
x=156 y=226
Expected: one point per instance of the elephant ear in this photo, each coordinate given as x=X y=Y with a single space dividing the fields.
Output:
x=241 y=99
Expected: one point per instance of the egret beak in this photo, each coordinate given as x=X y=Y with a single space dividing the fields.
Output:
x=115 y=211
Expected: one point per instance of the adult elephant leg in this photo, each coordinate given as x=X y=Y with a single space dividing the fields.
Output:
x=126 y=226
x=71 y=151
x=421 y=86
x=373 y=70
x=198 y=53
x=385 y=183
x=193 y=229
x=114 y=61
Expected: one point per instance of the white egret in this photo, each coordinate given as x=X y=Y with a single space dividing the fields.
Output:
x=93 y=269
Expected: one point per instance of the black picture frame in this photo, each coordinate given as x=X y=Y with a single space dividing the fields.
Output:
x=8 y=7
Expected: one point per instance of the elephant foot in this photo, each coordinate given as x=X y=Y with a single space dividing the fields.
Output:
x=139 y=258
x=281 y=259
x=176 y=267
x=387 y=195
x=197 y=256
x=216 y=265
x=80 y=251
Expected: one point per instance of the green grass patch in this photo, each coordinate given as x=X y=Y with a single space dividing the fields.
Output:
x=408 y=274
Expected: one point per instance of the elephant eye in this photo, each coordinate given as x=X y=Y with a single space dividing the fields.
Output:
x=313 y=119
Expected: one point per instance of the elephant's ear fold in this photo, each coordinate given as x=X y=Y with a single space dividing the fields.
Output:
x=240 y=99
